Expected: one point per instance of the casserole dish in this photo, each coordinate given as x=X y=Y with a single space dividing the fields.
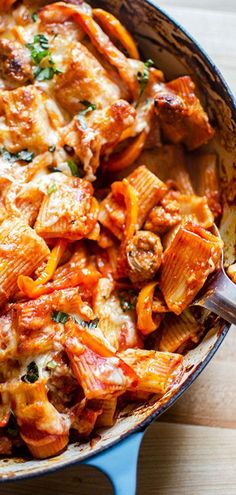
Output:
x=176 y=54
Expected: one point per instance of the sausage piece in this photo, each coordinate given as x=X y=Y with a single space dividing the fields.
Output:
x=144 y=253
x=14 y=63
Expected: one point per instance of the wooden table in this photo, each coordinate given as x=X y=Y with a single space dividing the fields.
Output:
x=192 y=448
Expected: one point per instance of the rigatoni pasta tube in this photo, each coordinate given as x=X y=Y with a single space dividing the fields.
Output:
x=157 y=371
x=149 y=191
x=102 y=377
x=22 y=251
x=182 y=274
x=107 y=417
x=43 y=445
x=177 y=330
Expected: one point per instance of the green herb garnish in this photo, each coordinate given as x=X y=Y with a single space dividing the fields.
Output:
x=90 y=324
x=128 y=300
x=89 y=107
x=7 y=155
x=60 y=317
x=40 y=52
x=23 y=155
x=39 y=48
x=45 y=73
x=52 y=188
x=75 y=170
x=87 y=324
x=32 y=374
x=34 y=16
x=143 y=78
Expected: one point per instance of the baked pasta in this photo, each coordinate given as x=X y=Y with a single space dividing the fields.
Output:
x=104 y=238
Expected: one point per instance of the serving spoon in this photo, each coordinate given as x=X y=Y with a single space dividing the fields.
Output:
x=219 y=293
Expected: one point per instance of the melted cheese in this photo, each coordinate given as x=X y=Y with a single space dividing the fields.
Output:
x=67 y=112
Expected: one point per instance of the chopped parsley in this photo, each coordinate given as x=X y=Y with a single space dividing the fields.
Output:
x=143 y=78
x=128 y=300
x=23 y=155
x=32 y=374
x=60 y=317
x=89 y=107
x=87 y=324
x=34 y=16
x=75 y=170
x=52 y=188
x=90 y=324
x=45 y=73
x=40 y=51
x=39 y=48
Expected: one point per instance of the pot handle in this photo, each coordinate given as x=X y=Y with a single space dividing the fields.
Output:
x=119 y=463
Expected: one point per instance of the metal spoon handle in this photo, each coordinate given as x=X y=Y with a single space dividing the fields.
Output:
x=220 y=297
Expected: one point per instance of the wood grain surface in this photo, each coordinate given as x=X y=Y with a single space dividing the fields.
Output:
x=192 y=448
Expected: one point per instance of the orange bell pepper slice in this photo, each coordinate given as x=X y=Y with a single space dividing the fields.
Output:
x=29 y=286
x=145 y=322
x=112 y=26
x=131 y=203
x=85 y=278
x=88 y=339
x=125 y=158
